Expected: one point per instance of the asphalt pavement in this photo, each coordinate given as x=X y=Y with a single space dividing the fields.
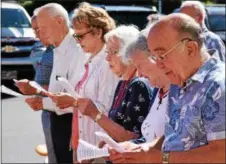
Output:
x=21 y=132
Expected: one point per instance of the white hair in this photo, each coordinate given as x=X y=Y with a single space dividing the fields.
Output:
x=197 y=5
x=137 y=45
x=54 y=10
x=125 y=33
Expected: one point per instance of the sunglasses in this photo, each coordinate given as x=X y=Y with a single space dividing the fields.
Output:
x=81 y=36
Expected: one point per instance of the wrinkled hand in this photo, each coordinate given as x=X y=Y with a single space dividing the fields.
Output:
x=62 y=100
x=35 y=103
x=87 y=107
x=137 y=155
x=25 y=88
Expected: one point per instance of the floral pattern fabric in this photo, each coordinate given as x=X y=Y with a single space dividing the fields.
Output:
x=197 y=111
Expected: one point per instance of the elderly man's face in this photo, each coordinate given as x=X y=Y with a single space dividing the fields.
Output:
x=34 y=26
x=170 y=52
x=192 y=13
x=49 y=27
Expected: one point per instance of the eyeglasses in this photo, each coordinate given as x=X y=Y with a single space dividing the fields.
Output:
x=112 y=52
x=80 y=37
x=162 y=57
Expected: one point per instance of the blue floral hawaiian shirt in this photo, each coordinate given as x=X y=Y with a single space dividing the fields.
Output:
x=197 y=111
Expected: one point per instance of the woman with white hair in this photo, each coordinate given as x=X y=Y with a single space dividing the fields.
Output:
x=153 y=126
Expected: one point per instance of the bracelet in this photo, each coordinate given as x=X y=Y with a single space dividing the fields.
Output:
x=98 y=117
x=165 y=157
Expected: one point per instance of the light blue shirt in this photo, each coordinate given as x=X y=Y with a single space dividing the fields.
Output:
x=213 y=42
x=197 y=111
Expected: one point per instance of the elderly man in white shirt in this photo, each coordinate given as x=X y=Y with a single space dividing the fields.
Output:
x=54 y=23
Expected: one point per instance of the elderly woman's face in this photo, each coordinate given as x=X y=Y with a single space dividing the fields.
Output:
x=85 y=37
x=113 y=57
x=147 y=68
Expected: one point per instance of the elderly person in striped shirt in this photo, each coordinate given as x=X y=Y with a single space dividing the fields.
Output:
x=196 y=10
x=95 y=83
x=133 y=94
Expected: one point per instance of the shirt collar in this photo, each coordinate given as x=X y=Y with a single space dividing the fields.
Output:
x=203 y=71
x=63 y=47
x=204 y=29
x=98 y=57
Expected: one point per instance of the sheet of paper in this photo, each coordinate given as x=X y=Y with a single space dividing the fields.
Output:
x=107 y=139
x=86 y=151
x=37 y=86
x=67 y=85
x=8 y=91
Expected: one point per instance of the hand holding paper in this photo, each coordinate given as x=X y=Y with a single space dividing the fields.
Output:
x=24 y=86
x=87 y=151
x=66 y=85
x=63 y=100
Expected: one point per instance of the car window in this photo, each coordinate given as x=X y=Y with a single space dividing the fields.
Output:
x=137 y=18
x=14 y=18
x=217 y=22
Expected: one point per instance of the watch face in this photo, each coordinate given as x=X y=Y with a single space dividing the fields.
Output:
x=165 y=158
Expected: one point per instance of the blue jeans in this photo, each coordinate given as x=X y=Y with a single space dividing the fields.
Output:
x=48 y=138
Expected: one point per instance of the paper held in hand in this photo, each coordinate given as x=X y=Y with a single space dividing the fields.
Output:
x=67 y=86
x=8 y=91
x=88 y=151
x=35 y=85
x=38 y=87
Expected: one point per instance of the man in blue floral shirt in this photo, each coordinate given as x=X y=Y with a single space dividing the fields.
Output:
x=195 y=131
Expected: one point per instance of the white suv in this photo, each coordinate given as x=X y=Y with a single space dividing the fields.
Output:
x=20 y=50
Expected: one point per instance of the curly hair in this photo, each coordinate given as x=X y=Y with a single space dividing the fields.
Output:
x=94 y=17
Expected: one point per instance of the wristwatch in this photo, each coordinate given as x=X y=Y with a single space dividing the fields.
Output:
x=98 y=117
x=165 y=157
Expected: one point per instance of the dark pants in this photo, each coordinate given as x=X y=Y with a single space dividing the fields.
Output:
x=61 y=135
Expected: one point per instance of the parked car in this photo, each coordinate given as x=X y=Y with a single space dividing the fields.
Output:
x=215 y=20
x=130 y=14
x=20 y=50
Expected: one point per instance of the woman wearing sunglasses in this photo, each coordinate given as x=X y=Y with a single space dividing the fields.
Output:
x=96 y=83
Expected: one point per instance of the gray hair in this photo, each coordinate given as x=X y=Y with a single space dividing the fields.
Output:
x=54 y=10
x=125 y=34
x=137 y=45
x=197 y=6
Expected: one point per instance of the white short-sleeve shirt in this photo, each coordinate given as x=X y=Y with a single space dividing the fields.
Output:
x=154 y=124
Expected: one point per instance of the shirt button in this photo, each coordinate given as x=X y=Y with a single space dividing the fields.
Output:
x=80 y=116
x=80 y=131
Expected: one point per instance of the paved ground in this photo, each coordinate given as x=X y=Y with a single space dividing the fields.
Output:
x=21 y=132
